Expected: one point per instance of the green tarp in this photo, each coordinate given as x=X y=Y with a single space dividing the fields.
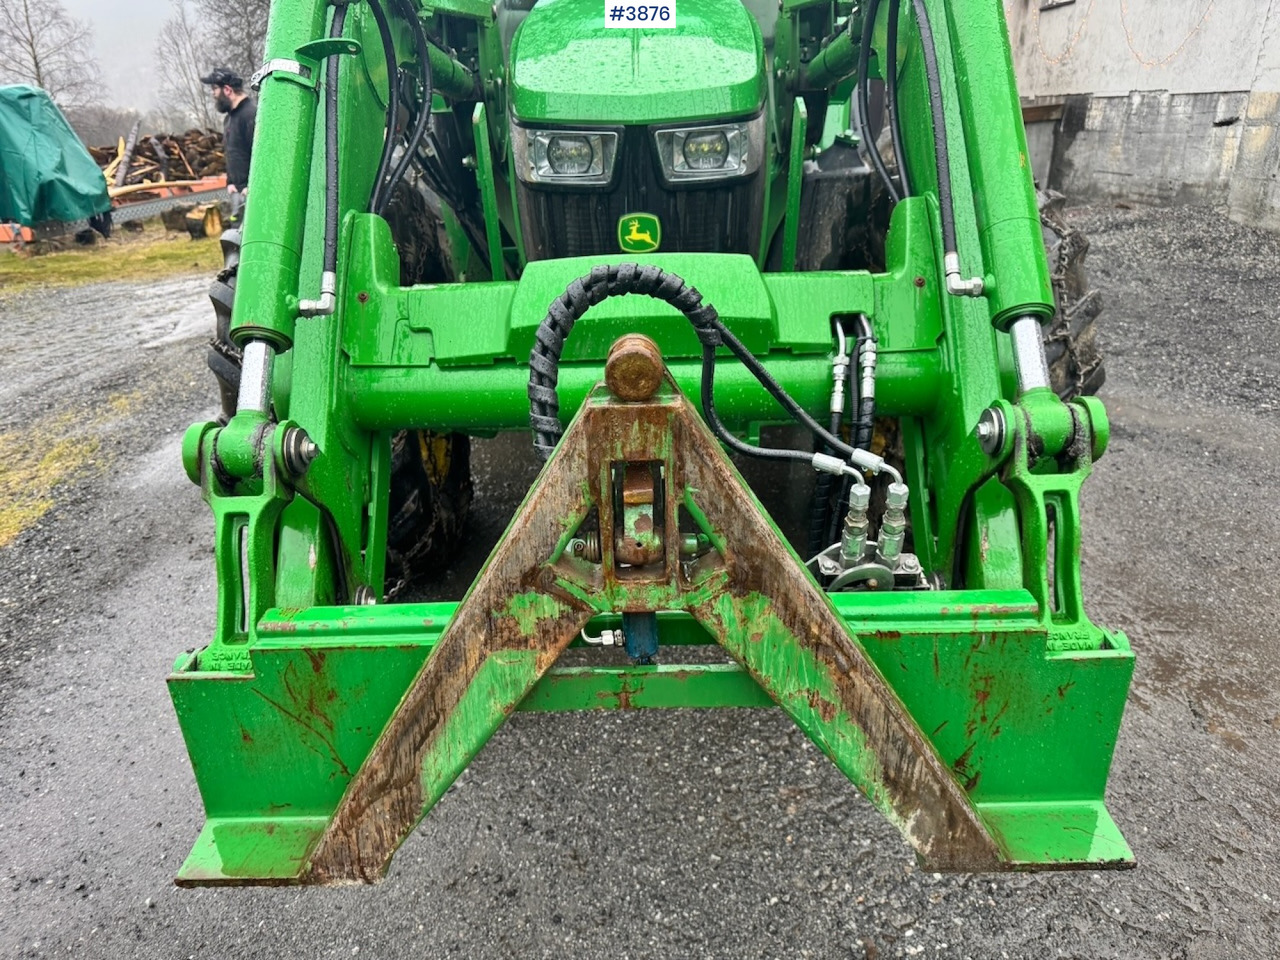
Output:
x=45 y=171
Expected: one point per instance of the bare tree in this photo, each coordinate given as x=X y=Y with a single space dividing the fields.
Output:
x=47 y=48
x=236 y=31
x=183 y=53
x=100 y=126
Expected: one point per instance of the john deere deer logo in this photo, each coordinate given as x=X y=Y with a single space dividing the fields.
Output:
x=639 y=233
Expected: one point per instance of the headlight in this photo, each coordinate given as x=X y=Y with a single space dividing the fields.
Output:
x=712 y=152
x=564 y=156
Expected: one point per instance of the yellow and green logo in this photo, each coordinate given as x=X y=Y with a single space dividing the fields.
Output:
x=639 y=233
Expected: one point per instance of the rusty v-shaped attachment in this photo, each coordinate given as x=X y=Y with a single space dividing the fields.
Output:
x=750 y=592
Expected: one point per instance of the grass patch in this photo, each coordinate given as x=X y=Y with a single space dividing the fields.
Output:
x=149 y=254
x=56 y=450
x=33 y=462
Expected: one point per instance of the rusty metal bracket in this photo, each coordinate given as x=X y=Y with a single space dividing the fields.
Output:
x=750 y=592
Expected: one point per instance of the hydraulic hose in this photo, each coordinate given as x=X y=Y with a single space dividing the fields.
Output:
x=568 y=308
x=891 y=96
x=956 y=285
x=941 y=151
x=820 y=505
x=867 y=346
x=424 y=112
x=719 y=429
x=864 y=414
x=393 y=101
x=864 y=101
x=613 y=281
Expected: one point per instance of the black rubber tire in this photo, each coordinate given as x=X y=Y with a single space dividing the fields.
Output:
x=414 y=217
x=430 y=501
x=224 y=356
x=1070 y=341
x=431 y=490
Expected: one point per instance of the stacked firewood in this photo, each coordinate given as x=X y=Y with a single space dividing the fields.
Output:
x=156 y=158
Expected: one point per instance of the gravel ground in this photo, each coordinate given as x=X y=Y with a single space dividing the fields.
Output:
x=655 y=834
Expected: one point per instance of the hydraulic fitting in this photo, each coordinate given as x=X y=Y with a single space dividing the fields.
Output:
x=867 y=366
x=893 y=528
x=853 y=539
x=328 y=301
x=607 y=638
x=839 y=372
x=957 y=285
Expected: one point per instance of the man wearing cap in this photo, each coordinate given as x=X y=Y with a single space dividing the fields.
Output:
x=237 y=131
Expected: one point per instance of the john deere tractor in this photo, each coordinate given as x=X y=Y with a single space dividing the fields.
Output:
x=641 y=235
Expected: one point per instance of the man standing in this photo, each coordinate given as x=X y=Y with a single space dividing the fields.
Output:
x=237 y=131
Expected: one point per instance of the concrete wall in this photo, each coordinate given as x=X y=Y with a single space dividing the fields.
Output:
x=1156 y=100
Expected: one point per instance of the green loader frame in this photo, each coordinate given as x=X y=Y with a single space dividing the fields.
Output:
x=977 y=710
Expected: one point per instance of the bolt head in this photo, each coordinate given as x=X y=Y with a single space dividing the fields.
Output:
x=990 y=431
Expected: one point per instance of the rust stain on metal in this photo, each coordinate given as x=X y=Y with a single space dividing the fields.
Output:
x=387 y=797
x=941 y=822
x=633 y=371
x=330 y=753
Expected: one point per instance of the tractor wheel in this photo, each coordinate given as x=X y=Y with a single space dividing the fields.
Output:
x=430 y=494
x=430 y=500
x=1070 y=343
x=224 y=356
x=418 y=230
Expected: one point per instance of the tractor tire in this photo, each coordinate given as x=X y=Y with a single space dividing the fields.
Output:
x=430 y=495
x=224 y=356
x=418 y=230
x=1070 y=341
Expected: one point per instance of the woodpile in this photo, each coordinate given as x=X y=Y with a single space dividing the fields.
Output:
x=160 y=158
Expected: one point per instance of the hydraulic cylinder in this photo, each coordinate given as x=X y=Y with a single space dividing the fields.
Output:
x=996 y=144
x=266 y=304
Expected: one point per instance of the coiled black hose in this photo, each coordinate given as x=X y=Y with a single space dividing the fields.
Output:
x=627 y=278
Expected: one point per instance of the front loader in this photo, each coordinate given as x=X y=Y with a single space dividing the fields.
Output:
x=643 y=245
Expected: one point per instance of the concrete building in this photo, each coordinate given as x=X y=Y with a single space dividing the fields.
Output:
x=1156 y=100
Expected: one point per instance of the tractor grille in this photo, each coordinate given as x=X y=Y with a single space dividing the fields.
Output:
x=559 y=222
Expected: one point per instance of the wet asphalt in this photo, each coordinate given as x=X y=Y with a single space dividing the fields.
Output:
x=659 y=834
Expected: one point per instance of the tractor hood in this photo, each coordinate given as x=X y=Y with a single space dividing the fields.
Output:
x=568 y=67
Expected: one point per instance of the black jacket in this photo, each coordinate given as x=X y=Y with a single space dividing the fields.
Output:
x=237 y=141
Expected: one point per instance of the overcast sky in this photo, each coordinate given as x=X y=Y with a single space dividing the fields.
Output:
x=125 y=34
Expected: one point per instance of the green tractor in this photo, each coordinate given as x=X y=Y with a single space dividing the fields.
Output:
x=642 y=234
